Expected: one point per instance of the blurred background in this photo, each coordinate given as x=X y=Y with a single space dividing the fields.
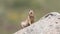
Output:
x=12 y=12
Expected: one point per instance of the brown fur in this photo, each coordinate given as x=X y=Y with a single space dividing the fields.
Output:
x=31 y=16
x=29 y=20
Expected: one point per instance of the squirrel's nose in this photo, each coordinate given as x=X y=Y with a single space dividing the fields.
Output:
x=31 y=13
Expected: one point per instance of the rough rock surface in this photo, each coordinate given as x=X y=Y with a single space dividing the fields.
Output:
x=48 y=24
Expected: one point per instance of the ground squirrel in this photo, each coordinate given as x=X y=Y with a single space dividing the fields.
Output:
x=29 y=20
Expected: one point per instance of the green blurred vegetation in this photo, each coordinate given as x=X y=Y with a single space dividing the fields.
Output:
x=12 y=12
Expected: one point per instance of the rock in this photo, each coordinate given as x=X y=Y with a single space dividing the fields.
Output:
x=48 y=24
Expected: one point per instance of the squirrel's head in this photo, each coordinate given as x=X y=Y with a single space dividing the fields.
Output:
x=31 y=13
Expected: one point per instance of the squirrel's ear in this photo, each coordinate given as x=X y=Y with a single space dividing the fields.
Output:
x=29 y=9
